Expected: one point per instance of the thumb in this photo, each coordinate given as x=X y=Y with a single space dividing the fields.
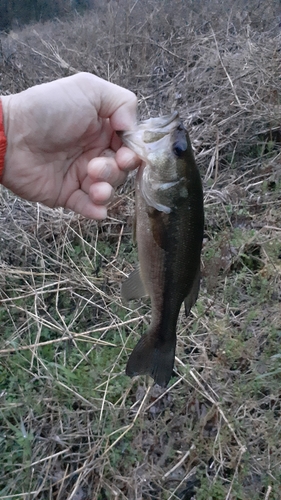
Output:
x=118 y=104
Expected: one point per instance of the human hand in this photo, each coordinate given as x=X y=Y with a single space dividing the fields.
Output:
x=62 y=146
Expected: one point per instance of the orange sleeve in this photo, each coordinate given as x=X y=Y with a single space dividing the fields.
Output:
x=3 y=142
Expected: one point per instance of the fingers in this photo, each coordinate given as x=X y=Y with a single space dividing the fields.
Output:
x=126 y=159
x=105 y=170
x=101 y=193
x=112 y=168
x=105 y=173
x=81 y=203
x=92 y=205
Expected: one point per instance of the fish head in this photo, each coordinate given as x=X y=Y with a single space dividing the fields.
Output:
x=164 y=146
x=159 y=142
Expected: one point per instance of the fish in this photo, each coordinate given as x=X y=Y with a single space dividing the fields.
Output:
x=169 y=233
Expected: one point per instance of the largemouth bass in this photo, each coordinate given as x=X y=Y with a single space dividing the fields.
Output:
x=169 y=233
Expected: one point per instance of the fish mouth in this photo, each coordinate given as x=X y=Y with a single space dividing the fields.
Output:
x=160 y=122
x=150 y=133
x=158 y=127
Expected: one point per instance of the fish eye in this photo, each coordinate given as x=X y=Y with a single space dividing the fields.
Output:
x=180 y=147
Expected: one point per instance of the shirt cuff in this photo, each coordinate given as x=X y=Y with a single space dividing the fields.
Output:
x=3 y=142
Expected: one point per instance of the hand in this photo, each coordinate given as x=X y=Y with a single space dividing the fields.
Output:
x=62 y=148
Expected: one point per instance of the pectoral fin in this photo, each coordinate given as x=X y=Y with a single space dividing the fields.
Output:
x=191 y=298
x=133 y=287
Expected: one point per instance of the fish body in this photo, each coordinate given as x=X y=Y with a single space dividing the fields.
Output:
x=169 y=233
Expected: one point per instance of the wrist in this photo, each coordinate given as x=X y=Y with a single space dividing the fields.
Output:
x=10 y=130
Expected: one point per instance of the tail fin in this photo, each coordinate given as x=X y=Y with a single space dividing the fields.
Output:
x=150 y=357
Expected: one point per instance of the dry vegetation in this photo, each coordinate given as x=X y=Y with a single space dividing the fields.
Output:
x=72 y=425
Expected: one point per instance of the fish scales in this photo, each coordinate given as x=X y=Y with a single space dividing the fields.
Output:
x=169 y=234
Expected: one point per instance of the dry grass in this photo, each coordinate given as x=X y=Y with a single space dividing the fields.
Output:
x=72 y=426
